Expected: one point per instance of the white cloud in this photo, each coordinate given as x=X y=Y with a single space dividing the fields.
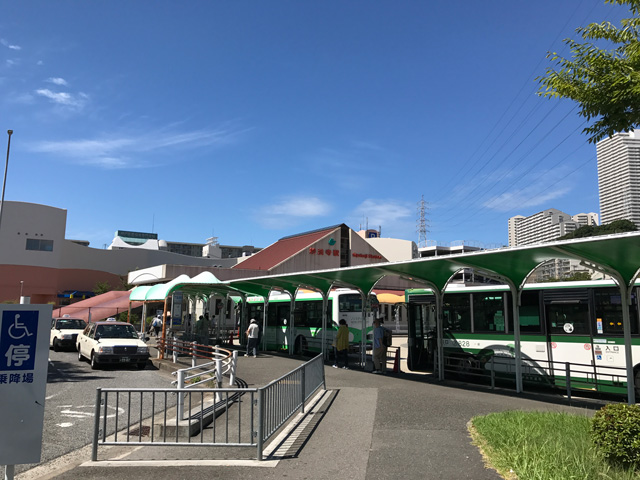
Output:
x=64 y=98
x=291 y=211
x=391 y=215
x=525 y=198
x=129 y=151
x=547 y=185
x=8 y=45
x=57 y=81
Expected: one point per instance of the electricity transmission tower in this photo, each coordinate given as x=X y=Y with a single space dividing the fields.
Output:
x=422 y=224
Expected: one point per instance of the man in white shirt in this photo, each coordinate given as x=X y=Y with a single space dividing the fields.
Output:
x=253 y=333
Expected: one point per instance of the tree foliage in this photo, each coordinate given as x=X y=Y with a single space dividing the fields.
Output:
x=574 y=277
x=605 y=82
x=104 y=287
x=617 y=226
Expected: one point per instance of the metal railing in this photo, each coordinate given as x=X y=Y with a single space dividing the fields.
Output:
x=174 y=348
x=206 y=373
x=280 y=399
x=547 y=373
x=227 y=417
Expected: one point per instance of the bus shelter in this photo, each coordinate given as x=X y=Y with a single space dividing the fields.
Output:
x=615 y=255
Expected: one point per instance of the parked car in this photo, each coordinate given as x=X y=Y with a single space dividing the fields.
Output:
x=65 y=331
x=112 y=342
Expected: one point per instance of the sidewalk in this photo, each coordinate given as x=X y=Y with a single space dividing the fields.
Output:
x=369 y=427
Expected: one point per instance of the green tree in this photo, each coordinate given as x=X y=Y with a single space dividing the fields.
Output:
x=102 y=287
x=604 y=82
x=617 y=226
x=574 y=277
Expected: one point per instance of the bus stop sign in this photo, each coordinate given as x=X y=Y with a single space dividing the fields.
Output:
x=24 y=350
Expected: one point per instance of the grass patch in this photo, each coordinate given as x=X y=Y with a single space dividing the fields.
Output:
x=542 y=446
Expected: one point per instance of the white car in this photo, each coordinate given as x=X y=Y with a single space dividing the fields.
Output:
x=65 y=331
x=112 y=342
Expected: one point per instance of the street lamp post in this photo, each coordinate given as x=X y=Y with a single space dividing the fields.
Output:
x=6 y=167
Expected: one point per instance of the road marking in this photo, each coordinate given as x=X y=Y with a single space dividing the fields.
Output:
x=183 y=463
x=64 y=425
x=85 y=411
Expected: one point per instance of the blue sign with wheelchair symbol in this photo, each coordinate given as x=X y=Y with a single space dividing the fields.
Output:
x=18 y=335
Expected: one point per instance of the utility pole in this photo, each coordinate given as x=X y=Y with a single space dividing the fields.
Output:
x=6 y=167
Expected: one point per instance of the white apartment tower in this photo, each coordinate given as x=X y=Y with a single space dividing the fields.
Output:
x=546 y=226
x=619 y=177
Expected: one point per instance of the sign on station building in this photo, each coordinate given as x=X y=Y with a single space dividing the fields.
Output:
x=24 y=352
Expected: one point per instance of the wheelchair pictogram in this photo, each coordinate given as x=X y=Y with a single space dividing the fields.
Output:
x=20 y=327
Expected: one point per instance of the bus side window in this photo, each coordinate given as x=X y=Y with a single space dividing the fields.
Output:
x=609 y=312
x=530 y=313
x=457 y=314
x=568 y=318
x=488 y=313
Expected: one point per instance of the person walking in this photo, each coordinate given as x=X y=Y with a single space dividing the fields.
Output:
x=379 y=348
x=342 y=345
x=253 y=334
x=157 y=325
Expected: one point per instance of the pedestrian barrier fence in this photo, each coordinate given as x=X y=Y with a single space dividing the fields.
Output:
x=221 y=417
x=174 y=348
x=224 y=363
x=571 y=376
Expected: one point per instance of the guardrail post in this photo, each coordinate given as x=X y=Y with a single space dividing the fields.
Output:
x=302 y=382
x=96 y=425
x=493 y=372
x=180 y=394
x=260 y=431
x=9 y=472
x=567 y=367
x=218 y=378
x=193 y=353
x=232 y=371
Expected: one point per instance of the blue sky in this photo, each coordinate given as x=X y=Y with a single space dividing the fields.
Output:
x=253 y=120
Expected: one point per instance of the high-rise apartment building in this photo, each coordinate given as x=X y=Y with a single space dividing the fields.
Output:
x=619 y=177
x=546 y=226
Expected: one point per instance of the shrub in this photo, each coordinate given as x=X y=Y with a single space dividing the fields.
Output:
x=615 y=431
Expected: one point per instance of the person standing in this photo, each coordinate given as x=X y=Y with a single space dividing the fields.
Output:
x=379 y=348
x=342 y=345
x=253 y=334
x=202 y=329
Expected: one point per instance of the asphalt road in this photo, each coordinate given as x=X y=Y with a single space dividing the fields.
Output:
x=71 y=397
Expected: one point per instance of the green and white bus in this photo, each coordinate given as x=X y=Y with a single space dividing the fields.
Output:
x=569 y=332
x=305 y=333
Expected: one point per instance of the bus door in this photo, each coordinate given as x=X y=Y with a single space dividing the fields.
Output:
x=279 y=320
x=568 y=316
x=422 y=335
x=608 y=338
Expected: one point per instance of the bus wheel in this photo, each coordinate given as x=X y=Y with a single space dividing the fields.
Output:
x=467 y=368
x=636 y=381
x=300 y=346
